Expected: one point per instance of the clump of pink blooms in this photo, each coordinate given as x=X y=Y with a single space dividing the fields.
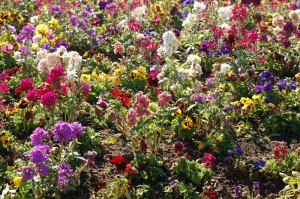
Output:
x=139 y=108
x=3 y=88
x=208 y=159
x=164 y=99
x=49 y=99
x=118 y=48
x=26 y=84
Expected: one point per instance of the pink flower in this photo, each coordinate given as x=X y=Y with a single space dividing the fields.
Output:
x=5 y=75
x=164 y=99
x=32 y=95
x=118 y=48
x=7 y=47
x=101 y=102
x=26 y=84
x=134 y=25
x=86 y=88
x=208 y=159
x=48 y=99
x=131 y=116
x=56 y=75
x=156 y=20
x=262 y=59
x=3 y=88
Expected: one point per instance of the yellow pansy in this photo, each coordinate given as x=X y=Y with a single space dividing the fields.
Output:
x=251 y=103
x=257 y=98
x=94 y=74
x=85 y=77
x=105 y=75
x=222 y=86
x=200 y=145
x=15 y=182
x=298 y=77
x=42 y=29
x=116 y=80
x=187 y=123
x=103 y=26
x=142 y=72
x=117 y=72
x=134 y=73
x=244 y=100
x=177 y=113
x=4 y=139
x=235 y=103
x=53 y=23
x=44 y=40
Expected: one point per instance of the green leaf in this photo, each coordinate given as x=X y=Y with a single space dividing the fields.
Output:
x=289 y=180
x=144 y=175
x=112 y=139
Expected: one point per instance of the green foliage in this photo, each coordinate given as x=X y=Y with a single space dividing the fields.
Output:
x=179 y=189
x=117 y=188
x=143 y=191
x=192 y=170
x=148 y=166
x=90 y=140
x=219 y=143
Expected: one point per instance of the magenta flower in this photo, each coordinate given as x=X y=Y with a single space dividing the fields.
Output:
x=208 y=159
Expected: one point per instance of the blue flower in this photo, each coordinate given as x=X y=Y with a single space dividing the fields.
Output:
x=238 y=150
x=258 y=164
x=282 y=84
x=267 y=87
x=258 y=89
x=185 y=14
x=293 y=85
x=46 y=46
x=204 y=47
x=268 y=99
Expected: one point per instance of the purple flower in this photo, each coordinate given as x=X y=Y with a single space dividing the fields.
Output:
x=267 y=87
x=293 y=85
x=76 y=130
x=28 y=172
x=61 y=43
x=38 y=135
x=259 y=164
x=213 y=95
x=204 y=47
x=154 y=68
x=282 y=85
x=238 y=150
x=258 y=89
x=90 y=158
x=91 y=32
x=73 y=20
x=56 y=10
x=46 y=46
x=177 y=33
x=229 y=152
x=51 y=36
x=286 y=43
x=227 y=107
x=102 y=5
x=185 y=14
x=64 y=170
x=238 y=191
x=197 y=97
x=62 y=131
x=42 y=168
x=210 y=82
x=39 y=153
x=173 y=11
x=98 y=111
x=256 y=188
x=268 y=99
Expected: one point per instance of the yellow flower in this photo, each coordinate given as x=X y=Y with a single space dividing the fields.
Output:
x=44 y=40
x=10 y=167
x=222 y=86
x=142 y=72
x=244 y=100
x=42 y=29
x=257 y=98
x=200 y=145
x=117 y=72
x=134 y=73
x=95 y=74
x=197 y=124
x=103 y=26
x=177 y=113
x=4 y=139
x=15 y=182
x=186 y=123
x=8 y=113
x=53 y=23
x=105 y=75
x=85 y=78
x=297 y=77
x=235 y=103
x=220 y=138
x=116 y=80
x=251 y=103
x=226 y=74
x=86 y=54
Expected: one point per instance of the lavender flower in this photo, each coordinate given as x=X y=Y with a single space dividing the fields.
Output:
x=76 y=130
x=197 y=97
x=90 y=158
x=64 y=170
x=56 y=10
x=62 y=131
x=238 y=191
x=102 y=5
x=28 y=172
x=39 y=153
x=293 y=85
x=238 y=150
x=42 y=168
x=38 y=135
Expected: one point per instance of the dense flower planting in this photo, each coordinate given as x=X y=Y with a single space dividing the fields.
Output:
x=149 y=99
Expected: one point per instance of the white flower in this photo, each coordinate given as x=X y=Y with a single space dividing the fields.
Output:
x=161 y=51
x=196 y=87
x=294 y=15
x=199 y=6
x=225 y=28
x=188 y=91
x=277 y=20
x=42 y=54
x=61 y=50
x=5 y=191
x=225 y=12
x=189 y=21
x=43 y=66
x=17 y=55
x=37 y=38
x=225 y=68
x=194 y=59
x=170 y=42
x=34 y=19
x=184 y=73
x=138 y=13
x=53 y=59
x=71 y=74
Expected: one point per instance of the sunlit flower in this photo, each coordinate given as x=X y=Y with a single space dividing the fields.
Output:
x=85 y=77
x=116 y=80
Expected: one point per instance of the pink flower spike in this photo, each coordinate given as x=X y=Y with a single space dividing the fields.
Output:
x=7 y=47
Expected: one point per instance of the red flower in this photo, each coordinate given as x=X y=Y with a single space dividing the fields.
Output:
x=179 y=148
x=152 y=79
x=28 y=115
x=120 y=163
x=279 y=152
x=23 y=104
x=144 y=146
x=99 y=185
x=128 y=182
x=208 y=159
x=114 y=93
x=18 y=91
x=125 y=101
